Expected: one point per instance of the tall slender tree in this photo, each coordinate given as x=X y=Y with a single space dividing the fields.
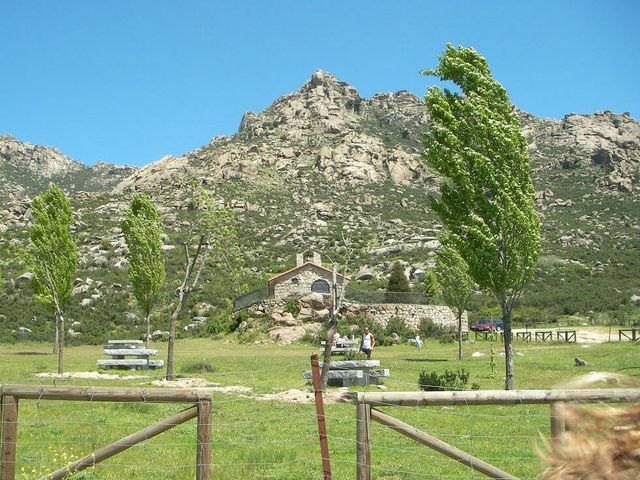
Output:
x=53 y=257
x=474 y=142
x=142 y=229
x=452 y=274
x=213 y=232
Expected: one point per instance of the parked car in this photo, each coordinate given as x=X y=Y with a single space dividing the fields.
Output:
x=488 y=325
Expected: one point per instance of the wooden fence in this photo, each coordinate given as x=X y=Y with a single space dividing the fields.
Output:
x=10 y=395
x=555 y=398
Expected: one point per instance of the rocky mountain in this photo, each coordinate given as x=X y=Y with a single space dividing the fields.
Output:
x=326 y=169
x=26 y=169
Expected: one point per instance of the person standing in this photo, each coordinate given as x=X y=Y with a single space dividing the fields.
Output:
x=367 y=343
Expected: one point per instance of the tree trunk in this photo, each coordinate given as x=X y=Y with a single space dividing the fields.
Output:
x=326 y=358
x=60 y=323
x=147 y=322
x=508 y=348
x=172 y=337
x=333 y=326
x=460 y=352
x=56 y=335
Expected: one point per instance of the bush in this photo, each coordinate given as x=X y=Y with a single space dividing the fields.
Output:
x=201 y=366
x=429 y=329
x=222 y=323
x=398 y=326
x=439 y=382
x=355 y=356
x=292 y=307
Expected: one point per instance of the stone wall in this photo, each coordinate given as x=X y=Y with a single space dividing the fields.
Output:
x=412 y=314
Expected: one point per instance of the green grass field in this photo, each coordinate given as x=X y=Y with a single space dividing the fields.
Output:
x=254 y=438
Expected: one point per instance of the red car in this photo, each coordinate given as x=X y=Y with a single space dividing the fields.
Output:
x=488 y=326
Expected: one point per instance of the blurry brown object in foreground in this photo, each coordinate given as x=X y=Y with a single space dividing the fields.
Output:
x=601 y=442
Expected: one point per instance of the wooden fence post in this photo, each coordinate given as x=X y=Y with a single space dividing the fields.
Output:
x=363 y=441
x=322 y=425
x=9 y=437
x=203 y=454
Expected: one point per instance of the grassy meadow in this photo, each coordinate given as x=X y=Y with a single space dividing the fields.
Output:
x=254 y=438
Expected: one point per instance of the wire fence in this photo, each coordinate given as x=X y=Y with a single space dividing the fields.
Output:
x=353 y=294
x=253 y=437
x=261 y=439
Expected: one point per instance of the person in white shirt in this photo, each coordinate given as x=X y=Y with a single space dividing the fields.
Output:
x=367 y=343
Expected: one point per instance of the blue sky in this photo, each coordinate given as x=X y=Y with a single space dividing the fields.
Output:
x=130 y=82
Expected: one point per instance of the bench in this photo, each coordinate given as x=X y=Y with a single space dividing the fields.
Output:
x=119 y=350
x=566 y=335
x=353 y=372
x=628 y=334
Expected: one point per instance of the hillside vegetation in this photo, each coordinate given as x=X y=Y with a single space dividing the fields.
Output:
x=320 y=165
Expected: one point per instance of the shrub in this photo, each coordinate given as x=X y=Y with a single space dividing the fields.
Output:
x=398 y=326
x=221 y=323
x=201 y=366
x=292 y=307
x=449 y=380
x=355 y=356
x=429 y=329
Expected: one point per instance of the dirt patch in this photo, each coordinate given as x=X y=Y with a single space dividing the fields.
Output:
x=89 y=375
x=201 y=383
x=294 y=395
x=583 y=335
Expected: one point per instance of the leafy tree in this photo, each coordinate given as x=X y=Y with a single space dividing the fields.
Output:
x=474 y=141
x=213 y=232
x=398 y=284
x=453 y=277
x=142 y=228
x=53 y=257
x=430 y=284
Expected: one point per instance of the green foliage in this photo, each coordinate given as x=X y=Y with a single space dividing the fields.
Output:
x=429 y=329
x=354 y=356
x=53 y=252
x=198 y=366
x=398 y=285
x=292 y=307
x=453 y=277
x=440 y=382
x=398 y=281
x=222 y=322
x=398 y=326
x=431 y=284
x=486 y=201
x=142 y=229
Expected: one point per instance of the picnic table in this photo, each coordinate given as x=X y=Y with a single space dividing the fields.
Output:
x=129 y=354
x=344 y=345
x=353 y=372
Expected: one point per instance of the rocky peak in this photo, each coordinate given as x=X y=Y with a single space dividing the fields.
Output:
x=40 y=160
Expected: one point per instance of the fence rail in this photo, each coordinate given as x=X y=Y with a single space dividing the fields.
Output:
x=10 y=395
x=374 y=297
x=251 y=298
x=556 y=399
